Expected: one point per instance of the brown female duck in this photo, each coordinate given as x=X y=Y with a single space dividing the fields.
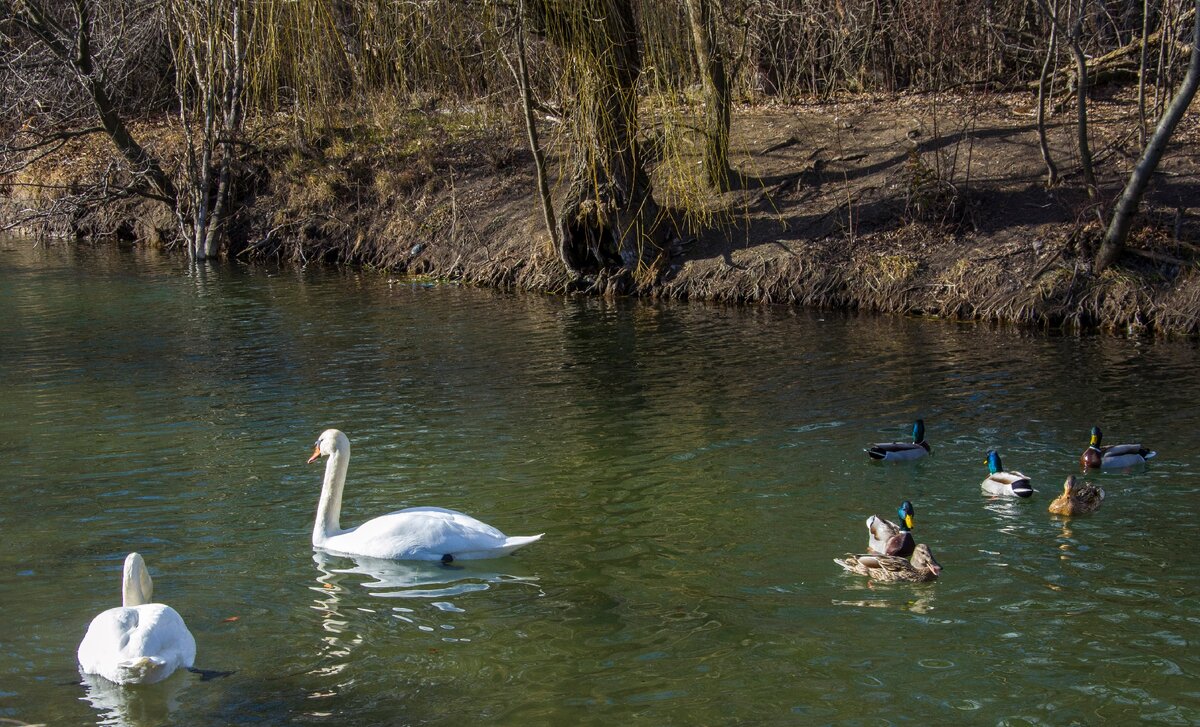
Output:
x=892 y=568
x=1077 y=498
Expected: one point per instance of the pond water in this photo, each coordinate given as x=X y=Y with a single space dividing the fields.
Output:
x=695 y=470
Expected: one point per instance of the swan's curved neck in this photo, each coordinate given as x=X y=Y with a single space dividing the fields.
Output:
x=329 y=509
x=136 y=586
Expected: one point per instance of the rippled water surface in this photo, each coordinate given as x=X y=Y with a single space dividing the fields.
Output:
x=695 y=470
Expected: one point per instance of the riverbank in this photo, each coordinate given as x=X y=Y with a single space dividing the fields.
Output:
x=928 y=205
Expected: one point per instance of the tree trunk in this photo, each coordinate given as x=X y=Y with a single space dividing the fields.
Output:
x=1141 y=94
x=609 y=218
x=539 y=159
x=1051 y=169
x=1131 y=197
x=1081 y=92
x=716 y=93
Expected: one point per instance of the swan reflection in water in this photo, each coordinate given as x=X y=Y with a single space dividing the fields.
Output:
x=143 y=706
x=418 y=579
x=434 y=582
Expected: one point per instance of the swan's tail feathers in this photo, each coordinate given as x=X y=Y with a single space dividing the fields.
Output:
x=143 y=670
x=508 y=546
x=519 y=541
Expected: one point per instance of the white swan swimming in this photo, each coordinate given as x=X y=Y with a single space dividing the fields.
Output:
x=139 y=642
x=416 y=533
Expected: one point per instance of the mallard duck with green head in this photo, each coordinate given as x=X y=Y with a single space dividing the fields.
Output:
x=893 y=568
x=1077 y=498
x=1114 y=456
x=888 y=538
x=1005 y=484
x=915 y=449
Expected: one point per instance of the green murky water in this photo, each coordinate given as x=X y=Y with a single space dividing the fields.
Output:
x=695 y=470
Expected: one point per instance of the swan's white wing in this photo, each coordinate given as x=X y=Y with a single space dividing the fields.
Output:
x=161 y=632
x=422 y=533
x=453 y=521
x=426 y=533
x=106 y=636
x=141 y=645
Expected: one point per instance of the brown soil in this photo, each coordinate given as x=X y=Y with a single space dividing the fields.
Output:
x=924 y=204
x=937 y=205
x=929 y=204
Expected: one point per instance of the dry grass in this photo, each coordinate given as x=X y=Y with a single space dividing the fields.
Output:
x=410 y=186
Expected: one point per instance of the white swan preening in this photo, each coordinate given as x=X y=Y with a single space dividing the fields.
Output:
x=139 y=642
x=416 y=533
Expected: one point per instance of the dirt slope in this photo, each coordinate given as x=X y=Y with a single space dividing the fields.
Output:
x=931 y=204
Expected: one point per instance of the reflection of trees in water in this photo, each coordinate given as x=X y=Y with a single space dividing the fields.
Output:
x=146 y=705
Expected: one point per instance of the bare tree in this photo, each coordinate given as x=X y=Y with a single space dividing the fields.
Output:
x=1135 y=188
x=64 y=39
x=1141 y=94
x=1075 y=42
x=210 y=65
x=1045 y=89
x=539 y=158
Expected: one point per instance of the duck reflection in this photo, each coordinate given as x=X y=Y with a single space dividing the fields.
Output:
x=148 y=705
x=1066 y=540
x=922 y=604
x=920 y=599
x=1007 y=513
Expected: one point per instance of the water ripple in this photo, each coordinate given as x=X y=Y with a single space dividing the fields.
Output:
x=696 y=468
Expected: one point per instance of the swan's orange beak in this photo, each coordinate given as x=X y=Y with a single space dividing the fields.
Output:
x=316 y=455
